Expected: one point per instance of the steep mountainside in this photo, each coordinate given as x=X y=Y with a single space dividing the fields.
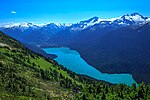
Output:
x=26 y=75
x=124 y=50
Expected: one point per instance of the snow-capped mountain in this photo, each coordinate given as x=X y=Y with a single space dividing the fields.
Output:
x=90 y=22
x=45 y=32
x=130 y=19
x=23 y=25
x=31 y=24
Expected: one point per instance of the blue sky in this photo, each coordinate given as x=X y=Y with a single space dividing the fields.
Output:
x=65 y=11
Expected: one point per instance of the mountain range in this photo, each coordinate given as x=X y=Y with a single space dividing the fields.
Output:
x=117 y=45
x=48 y=31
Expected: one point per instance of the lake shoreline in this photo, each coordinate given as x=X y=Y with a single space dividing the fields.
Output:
x=72 y=60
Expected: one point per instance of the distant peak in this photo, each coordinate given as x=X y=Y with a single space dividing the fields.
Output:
x=91 y=20
x=51 y=24
x=134 y=17
x=94 y=19
x=134 y=14
x=29 y=23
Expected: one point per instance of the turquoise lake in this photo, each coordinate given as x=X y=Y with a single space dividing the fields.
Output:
x=72 y=60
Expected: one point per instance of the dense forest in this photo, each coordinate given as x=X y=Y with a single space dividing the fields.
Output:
x=25 y=75
x=122 y=50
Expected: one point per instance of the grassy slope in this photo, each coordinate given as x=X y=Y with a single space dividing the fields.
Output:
x=22 y=72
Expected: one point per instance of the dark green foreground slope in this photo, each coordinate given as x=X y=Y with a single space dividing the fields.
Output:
x=25 y=75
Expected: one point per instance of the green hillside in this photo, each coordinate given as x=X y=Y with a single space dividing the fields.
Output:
x=25 y=75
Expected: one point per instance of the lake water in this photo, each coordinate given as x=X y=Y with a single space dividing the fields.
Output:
x=72 y=60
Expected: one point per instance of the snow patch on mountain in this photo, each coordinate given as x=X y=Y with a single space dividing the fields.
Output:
x=90 y=22
x=148 y=20
x=23 y=24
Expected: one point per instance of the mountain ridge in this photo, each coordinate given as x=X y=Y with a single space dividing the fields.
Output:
x=94 y=20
